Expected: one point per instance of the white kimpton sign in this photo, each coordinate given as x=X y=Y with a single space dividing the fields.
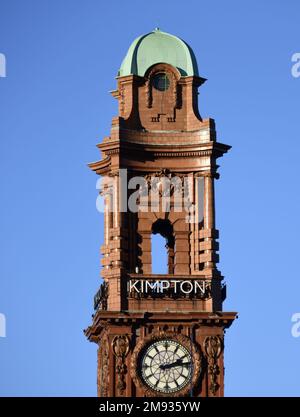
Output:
x=160 y=286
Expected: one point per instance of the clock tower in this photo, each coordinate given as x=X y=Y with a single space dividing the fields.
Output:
x=159 y=334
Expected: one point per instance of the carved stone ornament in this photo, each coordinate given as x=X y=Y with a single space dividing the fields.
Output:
x=162 y=182
x=103 y=363
x=120 y=346
x=142 y=345
x=122 y=99
x=213 y=346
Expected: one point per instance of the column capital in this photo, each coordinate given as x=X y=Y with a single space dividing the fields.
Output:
x=208 y=174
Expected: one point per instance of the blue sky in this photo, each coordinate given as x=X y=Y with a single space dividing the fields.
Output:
x=62 y=58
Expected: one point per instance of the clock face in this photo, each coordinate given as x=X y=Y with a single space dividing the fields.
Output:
x=166 y=366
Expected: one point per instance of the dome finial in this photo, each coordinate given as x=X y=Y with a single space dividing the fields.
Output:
x=157 y=29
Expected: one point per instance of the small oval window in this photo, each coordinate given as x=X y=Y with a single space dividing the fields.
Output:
x=161 y=82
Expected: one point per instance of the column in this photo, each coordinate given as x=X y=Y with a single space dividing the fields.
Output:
x=209 y=221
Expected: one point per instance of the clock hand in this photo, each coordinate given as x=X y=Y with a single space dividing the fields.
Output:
x=170 y=365
x=174 y=364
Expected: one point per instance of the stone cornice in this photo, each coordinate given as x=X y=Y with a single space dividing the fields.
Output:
x=166 y=149
x=102 y=318
x=136 y=151
x=100 y=166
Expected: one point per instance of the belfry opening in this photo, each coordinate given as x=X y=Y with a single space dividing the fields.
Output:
x=164 y=247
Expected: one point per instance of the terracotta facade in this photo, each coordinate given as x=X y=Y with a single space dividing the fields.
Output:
x=159 y=134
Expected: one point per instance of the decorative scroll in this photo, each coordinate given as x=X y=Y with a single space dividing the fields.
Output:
x=120 y=347
x=213 y=348
x=149 y=94
x=122 y=99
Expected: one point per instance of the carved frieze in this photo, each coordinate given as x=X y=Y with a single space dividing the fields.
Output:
x=120 y=346
x=103 y=364
x=213 y=346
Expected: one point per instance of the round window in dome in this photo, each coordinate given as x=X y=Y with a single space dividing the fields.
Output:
x=160 y=81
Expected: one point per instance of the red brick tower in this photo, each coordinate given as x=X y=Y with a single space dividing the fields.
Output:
x=160 y=335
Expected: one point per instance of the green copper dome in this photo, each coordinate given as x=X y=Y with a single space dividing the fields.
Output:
x=158 y=47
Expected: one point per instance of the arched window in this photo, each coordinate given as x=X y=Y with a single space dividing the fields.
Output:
x=159 y=254
x=162 y=247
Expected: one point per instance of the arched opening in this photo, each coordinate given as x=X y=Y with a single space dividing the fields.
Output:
x=159 y=254
x=162 y=247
